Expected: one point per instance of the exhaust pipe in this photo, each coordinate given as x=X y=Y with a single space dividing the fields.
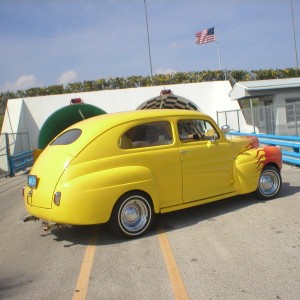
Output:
x=30 y=218
x=47 y=227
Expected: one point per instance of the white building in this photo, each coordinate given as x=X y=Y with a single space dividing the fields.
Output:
x=278 y=110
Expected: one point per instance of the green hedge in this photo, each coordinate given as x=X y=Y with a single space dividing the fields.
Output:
x=159 y=79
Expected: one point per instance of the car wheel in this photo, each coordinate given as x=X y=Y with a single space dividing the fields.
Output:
x=269 y=183
x=132 y=215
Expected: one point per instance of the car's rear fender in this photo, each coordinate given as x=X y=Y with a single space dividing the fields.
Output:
x=105 y=187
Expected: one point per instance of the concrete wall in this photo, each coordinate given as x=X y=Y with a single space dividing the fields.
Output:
x=29 y=114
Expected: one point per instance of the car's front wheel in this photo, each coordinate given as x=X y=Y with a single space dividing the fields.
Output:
x=269 y=183
x=132 y=215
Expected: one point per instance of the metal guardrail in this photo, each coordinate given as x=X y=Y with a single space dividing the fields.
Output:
x=14 y=143
x=20 y=162
x=291 y=156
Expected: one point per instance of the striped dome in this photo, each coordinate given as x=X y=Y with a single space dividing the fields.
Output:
x=167 y=100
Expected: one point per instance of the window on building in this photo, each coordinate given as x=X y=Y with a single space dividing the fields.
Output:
x=292 y=110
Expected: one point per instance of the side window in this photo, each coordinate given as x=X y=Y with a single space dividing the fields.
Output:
x=146 y=135
x=196 y=130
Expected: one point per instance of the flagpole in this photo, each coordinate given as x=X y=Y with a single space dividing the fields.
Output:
x=219 y=56
x=218 y=45
x=295 y=43
x=206 y=36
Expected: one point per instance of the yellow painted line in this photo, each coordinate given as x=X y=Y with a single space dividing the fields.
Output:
x=85 y=271
x=179 y=290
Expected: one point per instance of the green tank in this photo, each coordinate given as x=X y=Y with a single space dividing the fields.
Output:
x=65 y=117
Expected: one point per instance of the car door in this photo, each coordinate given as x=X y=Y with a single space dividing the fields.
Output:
x=152 y=145
x=206 y=159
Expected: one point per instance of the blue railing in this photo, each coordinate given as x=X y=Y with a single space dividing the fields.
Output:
x=19 y=162
x=289 y=145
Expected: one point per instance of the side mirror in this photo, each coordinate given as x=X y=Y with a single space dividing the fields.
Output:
x=225 y=129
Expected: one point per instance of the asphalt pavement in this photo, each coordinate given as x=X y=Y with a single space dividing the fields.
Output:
x=238 y=248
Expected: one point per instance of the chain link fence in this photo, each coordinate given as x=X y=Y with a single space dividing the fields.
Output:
x=272 y=119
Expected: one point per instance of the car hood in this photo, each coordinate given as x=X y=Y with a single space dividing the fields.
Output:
x=243 y=143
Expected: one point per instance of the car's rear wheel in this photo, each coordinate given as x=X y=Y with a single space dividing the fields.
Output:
x=269 y=183
x=132 y=215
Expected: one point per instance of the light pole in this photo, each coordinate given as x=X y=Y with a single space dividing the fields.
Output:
x=149 y=51
x=295 y=42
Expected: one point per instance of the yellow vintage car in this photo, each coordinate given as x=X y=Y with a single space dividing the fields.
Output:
x=124 y=168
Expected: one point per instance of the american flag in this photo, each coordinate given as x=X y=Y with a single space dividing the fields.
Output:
x=205 y=36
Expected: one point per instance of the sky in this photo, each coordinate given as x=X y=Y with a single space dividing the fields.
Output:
x=49 y=42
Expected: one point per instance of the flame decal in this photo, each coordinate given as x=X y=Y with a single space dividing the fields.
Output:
x=253 y=142
x=267 y=155
x=273 y=154
x=261 y=156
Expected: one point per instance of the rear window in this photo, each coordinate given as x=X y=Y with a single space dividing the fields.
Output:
x=67 y=137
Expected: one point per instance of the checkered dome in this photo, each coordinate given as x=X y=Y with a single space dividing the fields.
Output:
x=169 y=102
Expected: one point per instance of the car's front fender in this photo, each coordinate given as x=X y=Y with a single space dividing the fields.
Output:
x=249 y=164
x=246 y=170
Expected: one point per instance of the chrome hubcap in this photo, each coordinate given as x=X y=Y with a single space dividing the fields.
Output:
x=269 y=183
x=130 y=214
x=134 y=215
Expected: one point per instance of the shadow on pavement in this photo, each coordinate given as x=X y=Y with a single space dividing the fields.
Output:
x=167 y=222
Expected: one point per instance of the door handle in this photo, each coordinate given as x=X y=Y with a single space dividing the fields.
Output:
x=184 y=151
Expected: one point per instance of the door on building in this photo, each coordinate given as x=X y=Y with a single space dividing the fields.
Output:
x=269 y=115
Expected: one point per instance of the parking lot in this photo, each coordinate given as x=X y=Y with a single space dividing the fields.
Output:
x=238 y=248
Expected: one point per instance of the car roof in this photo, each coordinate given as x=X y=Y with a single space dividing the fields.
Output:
x=107 y=121
x=95 y=126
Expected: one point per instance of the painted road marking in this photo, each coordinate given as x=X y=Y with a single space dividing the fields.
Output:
x=170 y=262
x=178 y=287
x=85 y=271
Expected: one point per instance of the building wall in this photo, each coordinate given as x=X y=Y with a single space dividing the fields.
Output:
x=279 y=117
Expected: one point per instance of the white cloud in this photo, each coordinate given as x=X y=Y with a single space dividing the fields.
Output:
x=165 y=71
x=175 y=45
x=23 y=82
x=67 y=77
